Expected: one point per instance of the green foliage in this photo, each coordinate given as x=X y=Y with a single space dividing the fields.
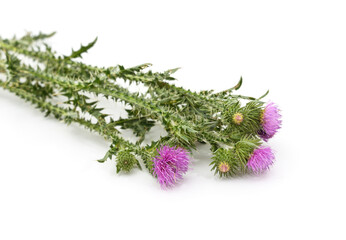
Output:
x=228 y=91
x=139 y=125
x=83 y=49
x=40 y=36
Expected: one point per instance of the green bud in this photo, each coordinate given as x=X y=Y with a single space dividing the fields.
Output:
x=224 y=162
x=243 y=119
x=125 y=161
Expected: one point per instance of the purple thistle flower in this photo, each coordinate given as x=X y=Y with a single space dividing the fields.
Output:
x=261 y=159
x=170 y=165
x=270 y=121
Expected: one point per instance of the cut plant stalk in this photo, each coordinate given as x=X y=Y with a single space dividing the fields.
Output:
x=232 y=129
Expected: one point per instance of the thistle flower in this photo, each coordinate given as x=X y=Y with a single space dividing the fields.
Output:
x=170 y=164
x=270 y=121
x=224 y=167
x=225 y=163
x=125 y=161
x=261 y=159
x=238 y=118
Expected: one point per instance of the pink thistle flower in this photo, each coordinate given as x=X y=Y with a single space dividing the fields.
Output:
x=261 y=159
x=270 y=121
x=170 y=165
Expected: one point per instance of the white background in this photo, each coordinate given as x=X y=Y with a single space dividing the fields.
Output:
x=51 y=187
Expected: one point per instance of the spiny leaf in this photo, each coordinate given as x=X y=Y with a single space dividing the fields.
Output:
x=42 y=36
x=107 y=155
x=171 y=71
x=81 y=50
x=236 y=87
x=263 y=95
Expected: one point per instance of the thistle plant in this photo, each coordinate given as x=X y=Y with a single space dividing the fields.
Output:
x=234 y=126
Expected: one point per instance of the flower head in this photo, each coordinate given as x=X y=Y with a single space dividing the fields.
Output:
x=224 y=167
x=261 y=159
x=170 y=164
x=270 y=121
x=238 y=118
x=125 y=161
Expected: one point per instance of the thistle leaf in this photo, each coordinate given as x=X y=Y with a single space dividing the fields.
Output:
x=81 y=50
x=264 y=95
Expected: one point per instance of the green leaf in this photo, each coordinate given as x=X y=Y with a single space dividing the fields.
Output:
x=236 y=87
x=263 y=95
x=42 y=36
x=102 y=160
x=171 y=71
x=81 y=50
